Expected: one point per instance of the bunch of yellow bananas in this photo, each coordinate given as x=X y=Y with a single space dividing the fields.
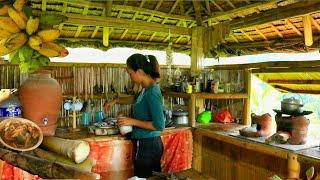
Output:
x=16 y=27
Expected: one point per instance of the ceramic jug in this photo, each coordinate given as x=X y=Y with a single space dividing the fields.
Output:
x=41 y=97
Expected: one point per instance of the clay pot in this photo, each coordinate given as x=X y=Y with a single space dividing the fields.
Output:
x=264 y=126
x=41 y=97
x=299 y=130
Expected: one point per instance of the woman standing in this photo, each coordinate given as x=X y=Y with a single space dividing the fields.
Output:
x=148 y=119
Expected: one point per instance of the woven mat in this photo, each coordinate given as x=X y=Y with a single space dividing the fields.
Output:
x=310 y=143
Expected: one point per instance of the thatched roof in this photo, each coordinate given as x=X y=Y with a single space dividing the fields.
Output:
x=255 y=26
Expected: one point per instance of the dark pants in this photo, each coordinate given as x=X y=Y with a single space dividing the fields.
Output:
x=148 y=152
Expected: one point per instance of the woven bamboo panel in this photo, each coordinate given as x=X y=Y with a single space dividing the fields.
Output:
x=225 y=161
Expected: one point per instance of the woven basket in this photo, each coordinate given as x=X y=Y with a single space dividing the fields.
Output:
x=22 y=121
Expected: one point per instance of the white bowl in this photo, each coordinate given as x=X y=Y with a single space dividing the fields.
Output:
x=125 y=129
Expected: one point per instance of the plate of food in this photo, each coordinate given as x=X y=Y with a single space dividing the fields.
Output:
x=20 y=134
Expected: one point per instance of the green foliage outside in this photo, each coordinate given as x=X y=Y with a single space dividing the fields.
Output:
x=265 y=98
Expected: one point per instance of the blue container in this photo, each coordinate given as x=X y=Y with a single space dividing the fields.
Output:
x=10 y=107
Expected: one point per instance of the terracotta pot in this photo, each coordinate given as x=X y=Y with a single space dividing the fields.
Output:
x=299 y=130
x=41 y=97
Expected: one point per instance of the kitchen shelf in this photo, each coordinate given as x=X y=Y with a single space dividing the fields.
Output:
x=196 y=99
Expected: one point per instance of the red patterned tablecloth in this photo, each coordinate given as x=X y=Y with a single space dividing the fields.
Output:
x=177 y=155
x=9 y=172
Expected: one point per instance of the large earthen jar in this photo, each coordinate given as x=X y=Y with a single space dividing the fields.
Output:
x=41 y=97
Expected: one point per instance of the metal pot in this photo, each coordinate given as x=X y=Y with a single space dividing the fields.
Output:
x=180 y=117
x=291 y=105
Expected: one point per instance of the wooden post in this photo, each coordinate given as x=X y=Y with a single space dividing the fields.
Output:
x=74 y=114
x=307 y=27
x=192 y=111
x=105 y=40
x=197 y=54
x=197 y=152
x=293 y=166
x=247 y=88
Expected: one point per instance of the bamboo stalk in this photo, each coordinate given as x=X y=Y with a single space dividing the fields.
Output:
x=44 y=168
x=85 y=165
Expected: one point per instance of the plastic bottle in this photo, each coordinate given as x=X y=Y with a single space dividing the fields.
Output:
x=10 y=107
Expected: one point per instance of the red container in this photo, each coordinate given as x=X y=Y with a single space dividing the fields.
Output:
x=41 y=97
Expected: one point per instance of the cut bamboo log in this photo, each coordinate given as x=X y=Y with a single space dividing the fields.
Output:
x=75 y=150
x=44 y=168
x=85 y=165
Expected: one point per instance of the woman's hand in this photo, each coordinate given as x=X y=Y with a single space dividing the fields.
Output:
x=122 y=121
x=108 y=105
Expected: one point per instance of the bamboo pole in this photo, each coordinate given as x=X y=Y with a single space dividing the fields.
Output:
x=293 y=166
x=247 y=107
x=44 y=168
x=307 y=27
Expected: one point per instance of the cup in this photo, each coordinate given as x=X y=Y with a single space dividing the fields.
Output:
x=67 y=105
x=125 y=129
x=85 y=119
x=99 y=116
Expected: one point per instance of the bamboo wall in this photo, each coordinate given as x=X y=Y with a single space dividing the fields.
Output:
x=79 y=80
x=225 y=161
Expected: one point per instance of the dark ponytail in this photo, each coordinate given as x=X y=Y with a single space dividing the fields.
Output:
x=147 y=63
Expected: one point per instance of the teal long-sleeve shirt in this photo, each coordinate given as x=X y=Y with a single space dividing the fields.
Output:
x=149 y=107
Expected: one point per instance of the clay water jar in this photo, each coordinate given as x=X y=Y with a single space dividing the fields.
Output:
x=41 y=97
x=299 y=130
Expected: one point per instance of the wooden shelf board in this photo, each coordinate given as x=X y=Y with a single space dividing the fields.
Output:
x=221 y=95
x=208 y=95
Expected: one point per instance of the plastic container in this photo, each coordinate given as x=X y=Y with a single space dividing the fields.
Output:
x=10 y=107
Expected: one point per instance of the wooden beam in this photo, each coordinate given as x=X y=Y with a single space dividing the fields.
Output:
x=230 y=4
x=152 y=36
x=78 y=19
x=276 y=30
x=174 y=6
x=181 y=7
x=294 y=10
x=130 y=43
x=234 y=38
x=142 y=3
x=286 y=70
x=315 y=23
x=189 y=10
x=154 y=12
x=208 y=6
x=158 y=5
x=179 y=38
x=275 y=64
x=117 y=7
x=261 y=34
x=281 y=81
x=64 y=10
x=293 y=27
x=44 y=5
x=108 y=8
x=123 y=34
x=95 y=31
x=216 y=5
x=225 y=15
x=197 y=9
x=296 y=90
x=246 y=35
x=78 y=31
x=138 y=36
